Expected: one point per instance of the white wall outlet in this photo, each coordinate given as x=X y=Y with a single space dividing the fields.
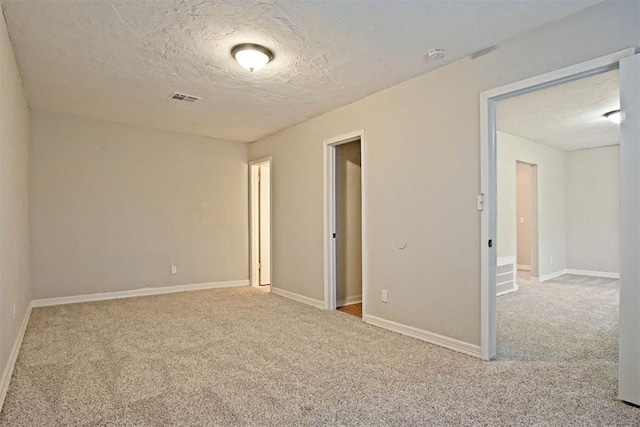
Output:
x=14 y=309
x=385 y=295
x=174 y=269
x=551 y=260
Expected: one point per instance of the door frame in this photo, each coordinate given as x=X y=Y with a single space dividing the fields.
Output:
x=329 y=204
x=254 y=218
x=629 y=349
x=488 y=186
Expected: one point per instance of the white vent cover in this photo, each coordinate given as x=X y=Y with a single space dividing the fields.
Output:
x=184 y=98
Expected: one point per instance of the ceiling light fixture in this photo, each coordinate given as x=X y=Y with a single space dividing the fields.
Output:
x=251 y=56
x=614 y=116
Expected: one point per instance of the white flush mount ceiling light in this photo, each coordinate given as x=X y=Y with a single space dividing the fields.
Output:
x=614 y=116
x=251 y=56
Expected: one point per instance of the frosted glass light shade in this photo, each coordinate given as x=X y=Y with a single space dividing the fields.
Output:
x=253 y=57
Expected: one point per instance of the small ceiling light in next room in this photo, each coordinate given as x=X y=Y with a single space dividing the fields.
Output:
x=251 y=56
x=614 y=116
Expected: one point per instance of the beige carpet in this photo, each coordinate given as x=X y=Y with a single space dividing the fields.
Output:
x=568 y=318
x=244 y=357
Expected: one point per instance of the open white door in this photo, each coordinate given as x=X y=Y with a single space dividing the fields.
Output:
x=265 y=224
x=629 y=367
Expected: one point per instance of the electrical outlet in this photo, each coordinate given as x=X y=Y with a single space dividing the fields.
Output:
x=174 y=269
x=551 y=260
x=14 y=309
x=385 y=295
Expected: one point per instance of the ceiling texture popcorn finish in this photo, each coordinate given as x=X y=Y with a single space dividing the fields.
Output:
x=569 y=116
x=122 y=60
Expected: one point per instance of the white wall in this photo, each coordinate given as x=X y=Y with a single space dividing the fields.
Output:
x=593 y=209
x=423 y=175
x=14 y=198
x=552 y=213
x=114 y=205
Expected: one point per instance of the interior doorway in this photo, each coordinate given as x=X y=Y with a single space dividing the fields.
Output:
x=344 y=207
x=527 y=217
x=629 y=68
x=260 y=195
x=349 y=228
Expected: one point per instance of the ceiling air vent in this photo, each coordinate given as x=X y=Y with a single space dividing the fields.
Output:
x=184 y=98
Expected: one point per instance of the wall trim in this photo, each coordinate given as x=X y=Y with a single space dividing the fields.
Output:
x=349 y=301
x=593 y=273
x=579 y=273
x=430 y=337
x=552 y=275
x=297 y=297
x=135 y=293
x=524 y=267
x=7 y=373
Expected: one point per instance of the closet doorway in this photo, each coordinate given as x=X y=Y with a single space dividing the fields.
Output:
x=260 y=179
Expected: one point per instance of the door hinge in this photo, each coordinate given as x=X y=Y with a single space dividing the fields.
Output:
x=334 y=235
x=490 y=243
x=480 y=202
x=259 y=266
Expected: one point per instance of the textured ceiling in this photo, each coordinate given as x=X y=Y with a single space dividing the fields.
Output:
x=568 y=116
x=121 y=60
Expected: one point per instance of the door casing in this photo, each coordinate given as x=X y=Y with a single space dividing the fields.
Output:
x=254 y=217
x=329 y=202
x=488 y=178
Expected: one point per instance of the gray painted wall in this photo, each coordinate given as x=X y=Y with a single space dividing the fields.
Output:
x=114 y=206
x=593 y=209
x=14 y=198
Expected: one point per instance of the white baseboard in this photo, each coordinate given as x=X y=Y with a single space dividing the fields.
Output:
x=579 y=273
x=135 y=293
x=297 y=297
x=508 y=291
x=430 y=337
x=524 y=267
x=349 y=301
x=11 y=362
x=593 y=273
x=552 y=275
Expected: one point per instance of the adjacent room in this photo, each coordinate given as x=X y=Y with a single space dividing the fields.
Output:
x=558 y=156
x=278 y=213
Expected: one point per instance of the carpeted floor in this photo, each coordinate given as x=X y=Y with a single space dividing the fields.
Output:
x=240 y=356
x=564 y=319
